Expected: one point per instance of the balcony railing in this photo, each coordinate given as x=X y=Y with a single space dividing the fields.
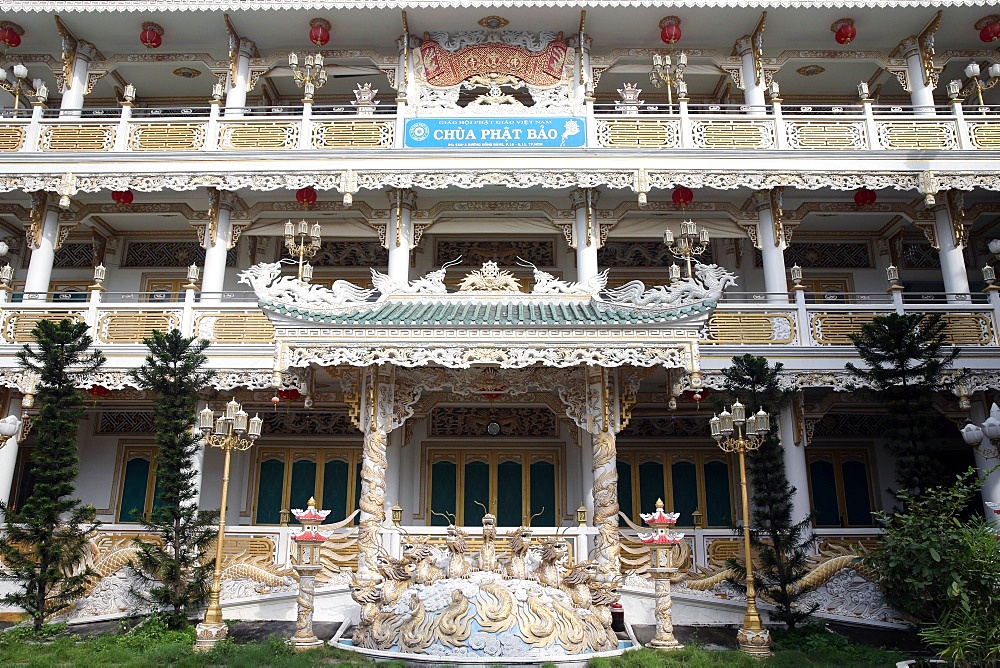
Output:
x=772 y=127
x=804 y=320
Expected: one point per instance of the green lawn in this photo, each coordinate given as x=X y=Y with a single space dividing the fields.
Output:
x=153 y=645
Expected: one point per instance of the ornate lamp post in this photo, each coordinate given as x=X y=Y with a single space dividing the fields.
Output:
x=296 y=243
x=735 y=432
x=688 y=244
x=18 y=87
x=662 y=542
x=670 y=75
x=957 y=90
x=229 y=431
x=311 y=75
x=307 y=551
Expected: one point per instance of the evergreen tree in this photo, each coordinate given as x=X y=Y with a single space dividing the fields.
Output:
x=46 y=540
x=780 y=543
x=906 y=357
x=177 y=568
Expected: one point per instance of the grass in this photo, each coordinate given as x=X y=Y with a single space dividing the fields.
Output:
x=153 y=644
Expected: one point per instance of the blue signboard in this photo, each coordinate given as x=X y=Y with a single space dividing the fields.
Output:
x=540 y=132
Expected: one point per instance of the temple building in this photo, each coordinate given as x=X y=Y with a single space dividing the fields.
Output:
x=470 y=258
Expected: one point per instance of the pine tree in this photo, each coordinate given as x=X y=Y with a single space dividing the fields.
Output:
x=906 y=358
x=46 y=540
x=177 y=568
x=781 y=544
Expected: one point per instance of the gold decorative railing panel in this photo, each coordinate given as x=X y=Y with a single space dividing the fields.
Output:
x=660 y=133
x=833 y=329
x=11 y=137
x=133 y=327
x=917 y=135
x=733 y=134
x=845 y=136
x=245 y=327
x=985 y=136
x=258 y=136
x=969 y=329
x=759 y=328
x=77 y=137
x=356 y=134
x=17 y=326
x=173 y=137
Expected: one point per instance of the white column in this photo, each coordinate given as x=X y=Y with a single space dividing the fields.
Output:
x=399 y=233
x=583 y=86
x=753 y=91
x=8 y=457
x=75 y=88
x=236 y=87
x=42 y=242
x=772 y=248
x=795 y=465
x=953 y=269
x=217 y=246
x=586 y=487
x=586 y=232
x=921 y=95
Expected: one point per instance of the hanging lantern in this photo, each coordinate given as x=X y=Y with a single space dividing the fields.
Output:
x=98 y=391
x=865 y=197
x=122 y=197
x=10 y=34
x=989 y=31
x=844 y=31
x=151 y=35
x=682 y=196
x=319 y=32
x=289 y=394
x=306 y=196
x=670 y=29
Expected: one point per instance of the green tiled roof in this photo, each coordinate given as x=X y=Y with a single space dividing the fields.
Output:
x=446 y=312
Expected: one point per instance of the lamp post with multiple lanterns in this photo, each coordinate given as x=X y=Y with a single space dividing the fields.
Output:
x=229 y=431
x=302 y=241
x=688 y=244
x=735 y=432
x=310 y=75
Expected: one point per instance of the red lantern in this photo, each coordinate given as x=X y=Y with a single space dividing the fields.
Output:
x=865 y=197
x=151 y=35
x=98 y=391
x=289 y=394
x=670 y=30
x=306 y=196
x=122 y=197
x=9 y=35
x=319 y=32
x=682 y=196
x=844 y=31
x=989 y=33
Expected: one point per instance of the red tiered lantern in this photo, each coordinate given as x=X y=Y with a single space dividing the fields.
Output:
x=151 y=35
x=990 y=32
x=844 y=31
x=319 y=32
x=670 y=29
x=306 y=196
x=98 y=391
x=682 y=196
x=10 y=34
x=122 y=197
x=289 y=394
x=865 y=197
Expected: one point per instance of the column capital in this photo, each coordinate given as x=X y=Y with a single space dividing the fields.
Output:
x=578 y=197
x=402 y=197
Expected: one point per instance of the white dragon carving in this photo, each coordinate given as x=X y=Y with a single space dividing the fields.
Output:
x=270 y=286
x=431 y=284
x=547 y=284
x=708 y=283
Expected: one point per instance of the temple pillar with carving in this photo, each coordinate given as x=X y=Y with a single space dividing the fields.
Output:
x=376 y=399
x=75 y=87
x=752 y=76
x=586 y=236
x=771 y=237
x=217 y=242
x=43 y=240
x=8 y=456
x=987 y=456
x=921 y=86
x=399 y=238
x=950 y=233
x=238 y=79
